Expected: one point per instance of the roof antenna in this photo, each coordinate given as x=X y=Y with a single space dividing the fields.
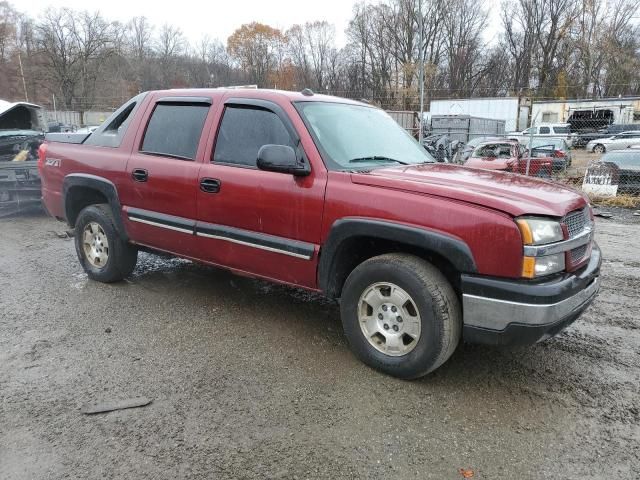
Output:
x=307 y=92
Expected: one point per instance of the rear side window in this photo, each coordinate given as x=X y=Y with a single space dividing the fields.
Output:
x=174 y=130
x=243 y=131
x=562 y=130
x=112 y=130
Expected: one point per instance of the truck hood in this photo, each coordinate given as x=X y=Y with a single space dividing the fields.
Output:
x=510 y=193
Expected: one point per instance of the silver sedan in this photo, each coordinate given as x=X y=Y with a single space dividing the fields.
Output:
x=616 y=142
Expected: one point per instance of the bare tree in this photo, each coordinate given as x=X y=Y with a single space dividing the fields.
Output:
x=462 y=26
x=170 y=45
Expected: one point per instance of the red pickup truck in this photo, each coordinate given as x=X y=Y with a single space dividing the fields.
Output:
x=330 y=195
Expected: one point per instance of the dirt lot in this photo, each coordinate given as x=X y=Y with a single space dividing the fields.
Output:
x=250 y=380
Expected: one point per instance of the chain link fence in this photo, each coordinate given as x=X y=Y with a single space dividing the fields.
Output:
x=592 y=154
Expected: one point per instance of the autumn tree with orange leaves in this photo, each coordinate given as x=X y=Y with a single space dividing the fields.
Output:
x=259 y=49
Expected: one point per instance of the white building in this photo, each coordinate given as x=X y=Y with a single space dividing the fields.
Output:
x=615 y=110
x=513 y=110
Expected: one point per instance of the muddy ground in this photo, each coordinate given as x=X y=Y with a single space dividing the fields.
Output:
x=251 y=380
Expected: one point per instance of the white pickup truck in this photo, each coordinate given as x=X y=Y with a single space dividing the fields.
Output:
x=551 y=130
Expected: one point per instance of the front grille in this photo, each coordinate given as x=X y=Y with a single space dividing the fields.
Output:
x=576 y=222
x=577 y=254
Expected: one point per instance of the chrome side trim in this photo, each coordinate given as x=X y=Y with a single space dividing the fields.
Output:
x=161 y=225
x=254 y=245
x=497 y=314
x=560 y=247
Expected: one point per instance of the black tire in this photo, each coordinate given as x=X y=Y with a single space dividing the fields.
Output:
x=599 y=149
x=436 y=302
x=122 y=256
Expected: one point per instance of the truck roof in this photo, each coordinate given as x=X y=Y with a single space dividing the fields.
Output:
x=262 y=93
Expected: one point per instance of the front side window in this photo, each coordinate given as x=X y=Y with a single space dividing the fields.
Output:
x=244 y=130
x=174 y=130
x=544 y=130
x=358 y=136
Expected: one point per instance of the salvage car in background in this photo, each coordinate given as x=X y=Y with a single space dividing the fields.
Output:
x=556 y=148
x=22 y=129
x=470 y=146
x=617 y=173
x=617 y=142
x=509 y=156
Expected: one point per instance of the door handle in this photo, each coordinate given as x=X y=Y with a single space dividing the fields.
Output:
x=140 y=175
x=210 y=185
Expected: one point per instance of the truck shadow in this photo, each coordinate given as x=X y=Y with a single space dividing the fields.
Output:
x=262 y=307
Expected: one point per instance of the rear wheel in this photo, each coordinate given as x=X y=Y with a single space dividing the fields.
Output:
x=400 y=315
x=103 y=254
x=599 y=149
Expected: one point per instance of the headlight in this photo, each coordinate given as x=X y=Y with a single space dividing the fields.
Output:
x=537 y=231
x=533 y=267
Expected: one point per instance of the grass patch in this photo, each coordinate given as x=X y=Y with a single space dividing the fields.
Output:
x=624 y=201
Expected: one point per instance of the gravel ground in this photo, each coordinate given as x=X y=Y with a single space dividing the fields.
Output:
x=252 y=380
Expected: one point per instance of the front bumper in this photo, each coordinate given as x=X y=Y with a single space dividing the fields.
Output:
x=508 y=312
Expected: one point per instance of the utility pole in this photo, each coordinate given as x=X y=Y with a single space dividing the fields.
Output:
x=24 y=83
x=421 y=68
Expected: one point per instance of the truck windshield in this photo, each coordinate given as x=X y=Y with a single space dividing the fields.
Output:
x=359 y=137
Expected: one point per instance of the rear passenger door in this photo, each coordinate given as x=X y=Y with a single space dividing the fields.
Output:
x=162 y=172
x=260 y=222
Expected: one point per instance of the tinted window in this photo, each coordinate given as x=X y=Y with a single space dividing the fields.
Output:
x=545 y=130
x=174 y=130
x=244 y=130
x=562 y=130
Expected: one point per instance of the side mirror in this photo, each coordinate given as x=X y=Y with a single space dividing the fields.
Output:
x=281 y=158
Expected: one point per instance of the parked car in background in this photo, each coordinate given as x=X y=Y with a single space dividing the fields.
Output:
x=556 y=148
x=509 y=156
x=22 y=128
x=470 y=146
x=441 y=147
x=616 y=142
x=550 y=130
x=330 y=195
x=616 y=173
x=581 y=139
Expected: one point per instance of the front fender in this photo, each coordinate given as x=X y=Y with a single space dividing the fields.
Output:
x=451 y=248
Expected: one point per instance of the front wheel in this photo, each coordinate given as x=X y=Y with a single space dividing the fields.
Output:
x=598 y=149
x=400 y=315
x=103 y=254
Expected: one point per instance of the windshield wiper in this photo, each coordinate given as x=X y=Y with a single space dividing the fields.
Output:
x=377 y=158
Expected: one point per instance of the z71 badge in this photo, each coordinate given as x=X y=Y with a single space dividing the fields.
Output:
x=52 y=162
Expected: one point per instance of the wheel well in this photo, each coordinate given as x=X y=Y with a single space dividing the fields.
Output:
x=79 y=197
x=355 y=250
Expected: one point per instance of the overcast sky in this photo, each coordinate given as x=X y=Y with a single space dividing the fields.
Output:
x=219 y=18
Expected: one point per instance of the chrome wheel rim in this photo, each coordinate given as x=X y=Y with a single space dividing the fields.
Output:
x=389 y=319
x=95 y=245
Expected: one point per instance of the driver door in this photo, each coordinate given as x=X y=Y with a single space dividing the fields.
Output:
x=259 y=222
